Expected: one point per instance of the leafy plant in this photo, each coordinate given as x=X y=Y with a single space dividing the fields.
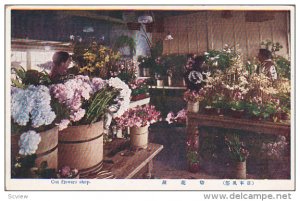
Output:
x=29 y=77
x=237 y=149
x=123 y=41
x=283 y=66
x=98 y=104
x=193 y=157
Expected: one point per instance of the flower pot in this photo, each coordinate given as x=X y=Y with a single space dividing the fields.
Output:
x=146 y=72
x=160 y=83
x=237 y=113
x=193 y=107
x=194 y=167
x=81 y=147
x=239 y=170
x=169 y=81
x=139 y=137
x=209 y=110
x=47 y=148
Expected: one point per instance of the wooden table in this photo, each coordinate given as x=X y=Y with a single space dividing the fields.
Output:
x=194 y=121
x=125 y=163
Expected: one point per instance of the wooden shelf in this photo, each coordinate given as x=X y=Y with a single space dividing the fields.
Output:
x=265 y=127
x=167 y=87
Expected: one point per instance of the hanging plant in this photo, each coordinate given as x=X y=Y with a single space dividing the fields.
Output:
x=123 y=41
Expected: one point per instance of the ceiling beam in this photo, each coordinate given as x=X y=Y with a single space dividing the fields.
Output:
x=88 y=14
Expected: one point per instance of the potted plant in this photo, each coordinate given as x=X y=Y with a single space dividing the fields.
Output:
x=237 y=109
x=94 y=59
x=33 y=124
x=124 y=41
x=87 y=101
x=193 y=161
x=139 y=89
x=239 y=154
x=193 y=98
x=273 y=153
x=138 y=119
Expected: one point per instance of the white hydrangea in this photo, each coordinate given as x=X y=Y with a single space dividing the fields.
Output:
x=29 y=142
x=123 y=99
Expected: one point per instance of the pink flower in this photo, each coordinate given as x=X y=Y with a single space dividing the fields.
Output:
x=63 y=124
x=76 y=116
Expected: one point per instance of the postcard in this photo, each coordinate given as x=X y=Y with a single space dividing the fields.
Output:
x=152 y=97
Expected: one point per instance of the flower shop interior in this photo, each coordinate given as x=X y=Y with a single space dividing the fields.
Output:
x=150 y=94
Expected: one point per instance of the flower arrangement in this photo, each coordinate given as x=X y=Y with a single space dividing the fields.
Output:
x=31 y=111
x=88 y=99
x=138 y=117
x=67 y=172
x=239 y=86
x=179 y=118
x=274 y=150
x=95 y=59
x=126 y=70
x=138 y=86
x=237 y=149
x=221 y=59
x=29 y=142
x=194 y=96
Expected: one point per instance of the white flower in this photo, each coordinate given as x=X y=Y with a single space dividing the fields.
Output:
x=29 y=142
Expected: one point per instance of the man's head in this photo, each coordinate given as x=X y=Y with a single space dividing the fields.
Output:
x=264 y=54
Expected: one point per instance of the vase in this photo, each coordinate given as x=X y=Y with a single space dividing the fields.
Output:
x=139 y=137
x=169 y=81
x=146 y=72
x=119 y=133
x=193 y=107
x=194 y=167
x=239 y=170
x=160 y=83
x=81 y=147
x=47 y=148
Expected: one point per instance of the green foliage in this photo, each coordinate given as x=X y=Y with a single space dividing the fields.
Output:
x=123 y=41
x=237 y=149
x=271 y=46
x=193 y=157
x=157 y=49
x=21 y=166
x=98 y=104
x=30 y=77
x=283 y=67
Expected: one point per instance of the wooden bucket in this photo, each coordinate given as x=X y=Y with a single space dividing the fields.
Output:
x=47 y=148
x=139 y=137
x=81 y=147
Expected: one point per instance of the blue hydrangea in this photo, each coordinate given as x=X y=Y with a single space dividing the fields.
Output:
x=32 y=103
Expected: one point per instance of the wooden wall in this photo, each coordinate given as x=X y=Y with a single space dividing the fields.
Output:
x=198 y=32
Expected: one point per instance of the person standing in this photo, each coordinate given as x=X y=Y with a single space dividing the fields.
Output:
x=61 y=61
x=267 y=65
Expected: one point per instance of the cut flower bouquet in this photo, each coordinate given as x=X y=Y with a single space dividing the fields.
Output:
x=138 y=117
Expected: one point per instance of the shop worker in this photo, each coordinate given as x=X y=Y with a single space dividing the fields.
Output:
x=267 y=65
x=61 y=61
